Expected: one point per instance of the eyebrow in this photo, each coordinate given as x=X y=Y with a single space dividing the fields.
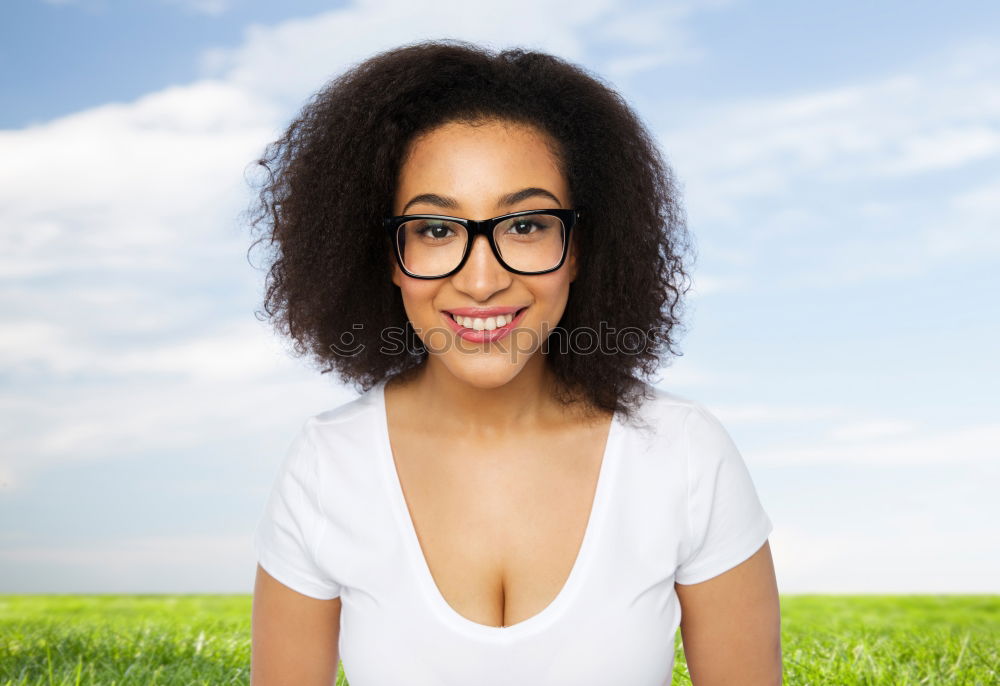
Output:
x=504 y=200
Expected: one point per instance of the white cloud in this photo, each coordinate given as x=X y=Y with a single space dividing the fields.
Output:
x=758 y=413
x=944 y=148
x=145 y=185
x=116 y=218
x=911 y=557
x=235 y=352
x=195 y=563
x=978 y=443
x=293 y=59
x=865 y=430
x=660 y=29
x=825 y=173
x=937 y=119
x=212 y=8
x=220 y=389
x=971 y=227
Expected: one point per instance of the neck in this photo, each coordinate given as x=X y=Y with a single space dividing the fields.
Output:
x=459 y=408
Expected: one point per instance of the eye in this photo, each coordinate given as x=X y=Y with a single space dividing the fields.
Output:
x=435 y=231
x=525 y=226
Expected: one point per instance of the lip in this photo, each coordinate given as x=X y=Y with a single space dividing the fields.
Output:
x=483 y=336
x=483 y=312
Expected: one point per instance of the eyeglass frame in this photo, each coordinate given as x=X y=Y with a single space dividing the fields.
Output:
x=473 y=228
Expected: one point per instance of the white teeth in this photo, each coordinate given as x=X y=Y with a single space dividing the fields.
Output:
x=489 y=323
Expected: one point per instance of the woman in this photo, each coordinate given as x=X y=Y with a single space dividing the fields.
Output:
x=507 y=501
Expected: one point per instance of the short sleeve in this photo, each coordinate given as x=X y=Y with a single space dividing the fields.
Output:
x=726 y=522
x=288 y=530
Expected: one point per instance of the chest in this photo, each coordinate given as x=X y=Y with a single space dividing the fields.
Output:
x=500 y=525
x=491 y=532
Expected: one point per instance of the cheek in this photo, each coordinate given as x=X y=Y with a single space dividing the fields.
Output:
x=558 y=281
x=553 y=290
x=418 y=296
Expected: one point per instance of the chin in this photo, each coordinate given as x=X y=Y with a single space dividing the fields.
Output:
x=487 y=373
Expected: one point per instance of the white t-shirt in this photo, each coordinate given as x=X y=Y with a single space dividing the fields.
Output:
x=674 y=502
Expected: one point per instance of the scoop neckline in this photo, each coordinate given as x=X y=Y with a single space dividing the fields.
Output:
x=418 y=562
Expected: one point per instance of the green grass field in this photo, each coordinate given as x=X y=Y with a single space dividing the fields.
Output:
x=190 y=639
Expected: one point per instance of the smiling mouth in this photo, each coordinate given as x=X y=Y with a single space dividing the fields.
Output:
x=470 y=322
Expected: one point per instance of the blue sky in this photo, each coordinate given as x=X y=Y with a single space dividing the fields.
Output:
x=841 y=172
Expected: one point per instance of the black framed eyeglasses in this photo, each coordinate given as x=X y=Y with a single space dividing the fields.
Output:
x=434 y=246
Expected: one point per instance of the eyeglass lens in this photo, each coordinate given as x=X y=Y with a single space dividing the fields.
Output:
x=529 y=243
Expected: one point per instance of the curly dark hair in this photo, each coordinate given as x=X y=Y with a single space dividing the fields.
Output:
x=335 y=167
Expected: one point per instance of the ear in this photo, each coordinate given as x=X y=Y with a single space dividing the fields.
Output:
x=396 y=274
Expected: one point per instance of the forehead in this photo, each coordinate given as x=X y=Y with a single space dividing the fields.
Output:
x=477 y=163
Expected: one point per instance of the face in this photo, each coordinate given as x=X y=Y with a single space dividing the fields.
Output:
x=471 y=171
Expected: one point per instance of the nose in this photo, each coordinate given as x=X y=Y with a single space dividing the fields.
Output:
x=482 y=275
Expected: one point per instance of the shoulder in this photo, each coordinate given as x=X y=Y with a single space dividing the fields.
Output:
x=675 y=423
x=661 y=411
x=706 y=447
x=357 y=414
x=346 y=429
x=346 y=412
x=342 y=440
